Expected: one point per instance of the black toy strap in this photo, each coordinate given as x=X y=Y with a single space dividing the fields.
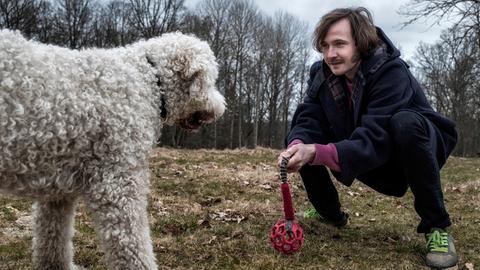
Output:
x=283 y=169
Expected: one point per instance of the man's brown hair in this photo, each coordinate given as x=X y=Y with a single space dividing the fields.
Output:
x=364 y=32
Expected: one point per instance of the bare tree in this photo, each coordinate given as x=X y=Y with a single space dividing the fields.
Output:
x=22 y=15
x=72 y=22
x=153 y=17
x=111 y=24
x=449 y=72
x=242 y=17
x=287 y=43
x=296 y=47
x=465 y=12
x=259 y=76
x=450 y=68
x=216 y=13
x=44 y=30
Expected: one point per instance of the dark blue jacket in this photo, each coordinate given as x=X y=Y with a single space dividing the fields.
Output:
x=361 y=135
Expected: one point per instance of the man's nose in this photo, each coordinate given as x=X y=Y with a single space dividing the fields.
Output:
x=330 y=53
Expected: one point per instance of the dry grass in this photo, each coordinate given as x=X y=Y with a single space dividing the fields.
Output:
x=213 y=209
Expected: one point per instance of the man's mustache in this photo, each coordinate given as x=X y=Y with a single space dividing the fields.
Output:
x=335 y=61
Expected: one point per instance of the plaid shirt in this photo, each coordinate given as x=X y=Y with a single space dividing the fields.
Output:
x=344 y=98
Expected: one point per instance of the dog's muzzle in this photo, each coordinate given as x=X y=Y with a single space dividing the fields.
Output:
x=195 y=120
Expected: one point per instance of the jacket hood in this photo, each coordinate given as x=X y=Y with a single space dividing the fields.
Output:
x=384 y=52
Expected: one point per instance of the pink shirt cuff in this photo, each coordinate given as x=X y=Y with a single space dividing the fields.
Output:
x=326 y=155
x=295 y=141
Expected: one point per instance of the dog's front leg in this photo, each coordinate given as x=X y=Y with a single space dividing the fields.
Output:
x=53 y=232
x=119 y=208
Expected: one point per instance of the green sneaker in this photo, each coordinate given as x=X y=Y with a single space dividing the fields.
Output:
x=440 y=249
x=313 y=214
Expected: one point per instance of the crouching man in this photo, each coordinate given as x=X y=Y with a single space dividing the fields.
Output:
x=366 y=117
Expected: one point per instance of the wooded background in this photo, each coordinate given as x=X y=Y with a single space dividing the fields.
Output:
x=263 y=60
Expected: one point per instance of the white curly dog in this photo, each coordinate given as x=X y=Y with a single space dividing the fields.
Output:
x=80 y=124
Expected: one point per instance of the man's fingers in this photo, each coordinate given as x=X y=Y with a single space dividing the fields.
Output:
x=295 y=163
x=293 y=169
x=284 y=154
x=290 y=151
x=294 y=159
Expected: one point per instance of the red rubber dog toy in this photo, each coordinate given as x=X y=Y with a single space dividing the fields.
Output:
x=286 y=235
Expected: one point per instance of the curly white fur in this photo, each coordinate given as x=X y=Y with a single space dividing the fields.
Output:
x=80 y=124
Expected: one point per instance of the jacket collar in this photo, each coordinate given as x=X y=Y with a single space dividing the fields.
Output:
x=340 y=118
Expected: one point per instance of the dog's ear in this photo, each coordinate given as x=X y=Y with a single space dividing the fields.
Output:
x=192 y=77
x=182 y=67
x=187 y=71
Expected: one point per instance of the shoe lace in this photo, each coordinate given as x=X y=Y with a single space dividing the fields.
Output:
x=437 y=241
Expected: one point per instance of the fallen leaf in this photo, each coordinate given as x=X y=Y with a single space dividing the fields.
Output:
x=265 y=186
x=469 y=266
x=405 y=238
x=204 y=223
x=390 y=239
x=12 y=209
x=227 y=216
x=353 y=193
x=212 y=239
x=209 y=201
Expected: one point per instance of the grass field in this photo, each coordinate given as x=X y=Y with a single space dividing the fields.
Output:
x=212 y=209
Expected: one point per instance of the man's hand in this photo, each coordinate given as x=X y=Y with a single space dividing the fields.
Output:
x=300 y=154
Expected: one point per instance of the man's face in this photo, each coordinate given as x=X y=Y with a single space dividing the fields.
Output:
x=339 y=49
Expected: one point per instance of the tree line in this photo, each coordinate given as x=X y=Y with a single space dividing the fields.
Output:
x=263 y=60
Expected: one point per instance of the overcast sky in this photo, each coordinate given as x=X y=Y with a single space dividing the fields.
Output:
x=384 y=15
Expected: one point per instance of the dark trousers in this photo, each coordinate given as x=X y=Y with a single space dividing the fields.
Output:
x=416 y=160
